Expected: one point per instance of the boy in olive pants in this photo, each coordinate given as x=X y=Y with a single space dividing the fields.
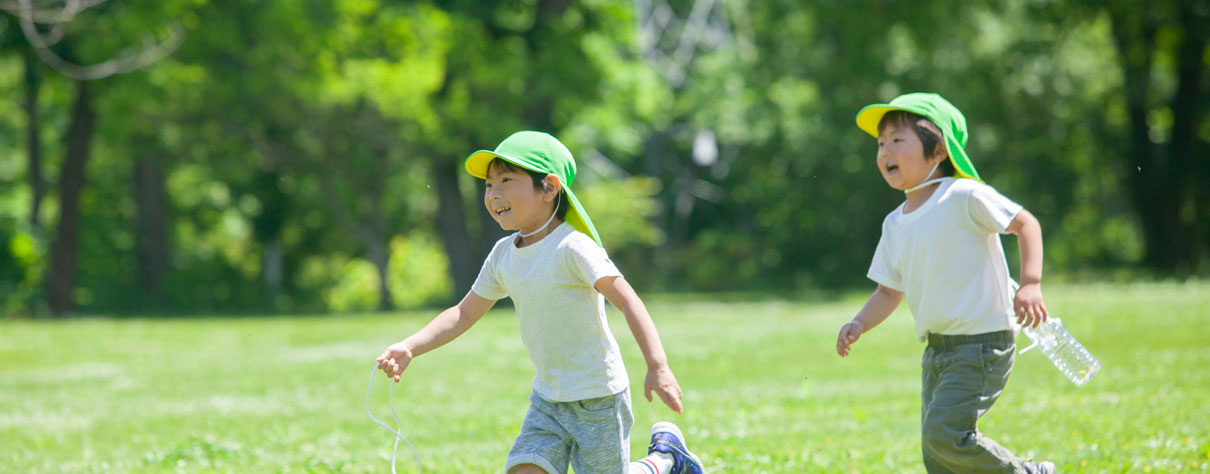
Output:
x=941 y=250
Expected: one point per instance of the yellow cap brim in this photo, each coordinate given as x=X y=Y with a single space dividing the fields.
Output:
x=869 y=116
x=477 y=163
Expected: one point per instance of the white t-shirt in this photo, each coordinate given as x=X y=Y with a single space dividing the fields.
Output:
x=562 y=316
x=947 y=259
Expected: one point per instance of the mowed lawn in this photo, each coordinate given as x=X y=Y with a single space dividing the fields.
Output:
x=764 y=390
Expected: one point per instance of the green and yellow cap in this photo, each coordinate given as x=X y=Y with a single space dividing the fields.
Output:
x=540 y=152
x=935 y=108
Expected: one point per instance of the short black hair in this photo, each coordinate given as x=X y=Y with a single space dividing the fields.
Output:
x=539 y=179
x=928 y=137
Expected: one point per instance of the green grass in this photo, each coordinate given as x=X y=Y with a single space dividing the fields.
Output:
x=764 y=390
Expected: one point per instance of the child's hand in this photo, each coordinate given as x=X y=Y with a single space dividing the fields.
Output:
x=849 y=333
x=664 y=384
x=1028 y=304
x=395 y=359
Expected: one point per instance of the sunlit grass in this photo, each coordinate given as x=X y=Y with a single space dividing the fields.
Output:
x=765 y=391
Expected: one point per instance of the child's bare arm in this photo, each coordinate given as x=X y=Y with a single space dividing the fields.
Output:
x=659 y=377
x=1028 y=303
x=880 y=306
x=444 y=328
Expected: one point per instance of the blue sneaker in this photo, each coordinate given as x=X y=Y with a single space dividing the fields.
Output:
x=667 y=438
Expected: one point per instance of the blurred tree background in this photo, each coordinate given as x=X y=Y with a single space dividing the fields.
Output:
x=203 y=156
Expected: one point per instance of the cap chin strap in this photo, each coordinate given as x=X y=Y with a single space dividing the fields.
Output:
x=926 y=181
x=551 y=218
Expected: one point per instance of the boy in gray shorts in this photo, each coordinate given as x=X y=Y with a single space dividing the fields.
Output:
x=558 y=276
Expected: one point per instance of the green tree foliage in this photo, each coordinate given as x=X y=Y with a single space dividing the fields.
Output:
x=304 y=155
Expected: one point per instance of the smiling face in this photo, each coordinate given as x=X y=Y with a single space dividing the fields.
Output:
x=901 y=157
x=513 y=200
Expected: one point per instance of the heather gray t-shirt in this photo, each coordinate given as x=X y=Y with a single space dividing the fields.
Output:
x=562 y=316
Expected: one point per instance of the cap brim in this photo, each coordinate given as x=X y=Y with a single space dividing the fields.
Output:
x=477 y=163
x=870 y=115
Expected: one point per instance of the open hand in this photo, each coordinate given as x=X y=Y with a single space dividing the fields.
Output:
x=663 y=383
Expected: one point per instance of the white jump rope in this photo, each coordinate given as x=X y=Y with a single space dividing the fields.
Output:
x=398 y=435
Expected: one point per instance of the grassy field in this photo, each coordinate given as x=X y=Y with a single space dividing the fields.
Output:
x=764 y=389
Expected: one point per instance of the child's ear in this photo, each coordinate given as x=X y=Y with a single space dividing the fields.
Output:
x=941 y=152
x=551 y=184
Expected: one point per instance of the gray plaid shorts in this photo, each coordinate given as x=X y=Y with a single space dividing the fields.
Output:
x=592 y=435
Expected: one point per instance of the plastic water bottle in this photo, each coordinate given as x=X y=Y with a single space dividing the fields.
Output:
x=1072 y=359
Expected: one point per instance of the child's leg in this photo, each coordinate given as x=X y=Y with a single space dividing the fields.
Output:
x=600 y=433
x=542 y=442
x=655 y=463
x=667 y=453
x=526 y=469
x=928 y=385
x=963 y=377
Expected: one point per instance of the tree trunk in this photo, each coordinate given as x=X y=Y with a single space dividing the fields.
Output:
x=151 y=229
x=370 y=234
x=1163 y=178
x=37 y=186
x=267 y=227
x=1188 y=107
x=71 y=181
x=381 y=256
x=451 y=223
x=379 y=247
x=273 y=271
x=1134 y=35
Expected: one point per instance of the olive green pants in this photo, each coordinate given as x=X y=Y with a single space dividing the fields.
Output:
x=963 y=375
